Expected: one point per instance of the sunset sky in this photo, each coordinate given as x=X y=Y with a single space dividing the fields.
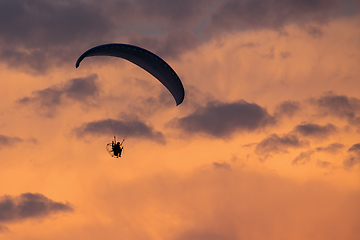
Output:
x=266 y=144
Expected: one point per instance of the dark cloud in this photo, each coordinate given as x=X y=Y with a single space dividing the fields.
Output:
x=235 y=15
x=332 y=148
x=340 y=106
x=6 y=141
x=40 y=33
x=354 y=156
x=77 y=89
x=285 y=54
x=286 y=108
x=323 y=164
x=172 y=44
x=355 y=148
x=313 y=31
x=219 y=119
x=29 y=206
x=223 y=165
x=135 y=128
x=303 y=157
x=276 y=144
x=351 y=162
x=175 y=14
x=315 y=130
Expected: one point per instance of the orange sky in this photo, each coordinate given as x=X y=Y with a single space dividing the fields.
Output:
x=266 y=144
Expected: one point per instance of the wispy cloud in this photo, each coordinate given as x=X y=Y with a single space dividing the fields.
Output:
x=279 y=144
x=223 y=165
x=287 y=109
x=49 y=99
x=333 y=148
x=353 y=158
x=6 y=141
x=305 y=157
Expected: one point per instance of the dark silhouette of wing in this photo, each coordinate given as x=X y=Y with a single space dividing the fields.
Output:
x=144 y=59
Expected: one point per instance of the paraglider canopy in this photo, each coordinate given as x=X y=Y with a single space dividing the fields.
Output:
x=144 y=59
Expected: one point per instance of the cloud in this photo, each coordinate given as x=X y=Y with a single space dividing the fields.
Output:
x=135 y=128
x=341 y=106
x=277 y=144
x=172 y=44
x=315 y=130
x=223 y=165
x=323 y=164
x=332 y=148
x=303 y=157
x=285 y=54
x=6 y=141
x=29 y=206
x=235 y=15
x=355 y=148
x=77 y=89
x=40 y=33
x=354 y=157
x=287 y=108
x=313 y=31
x=218 y=119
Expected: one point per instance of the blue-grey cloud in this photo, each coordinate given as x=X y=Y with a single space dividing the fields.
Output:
x=355 y=148
x=41 y=34
x=279 y=144
x=6 y=141
x=332 y=148
x=121 y=128
x=341 y=106
x=286 y=109
x=305 y=157
x=29 y=206
x=353 y=158
x=315 y=130
x=223 y=165
x=323 y=164
x=77 y=89
x=235 y=15
x=218 y=119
